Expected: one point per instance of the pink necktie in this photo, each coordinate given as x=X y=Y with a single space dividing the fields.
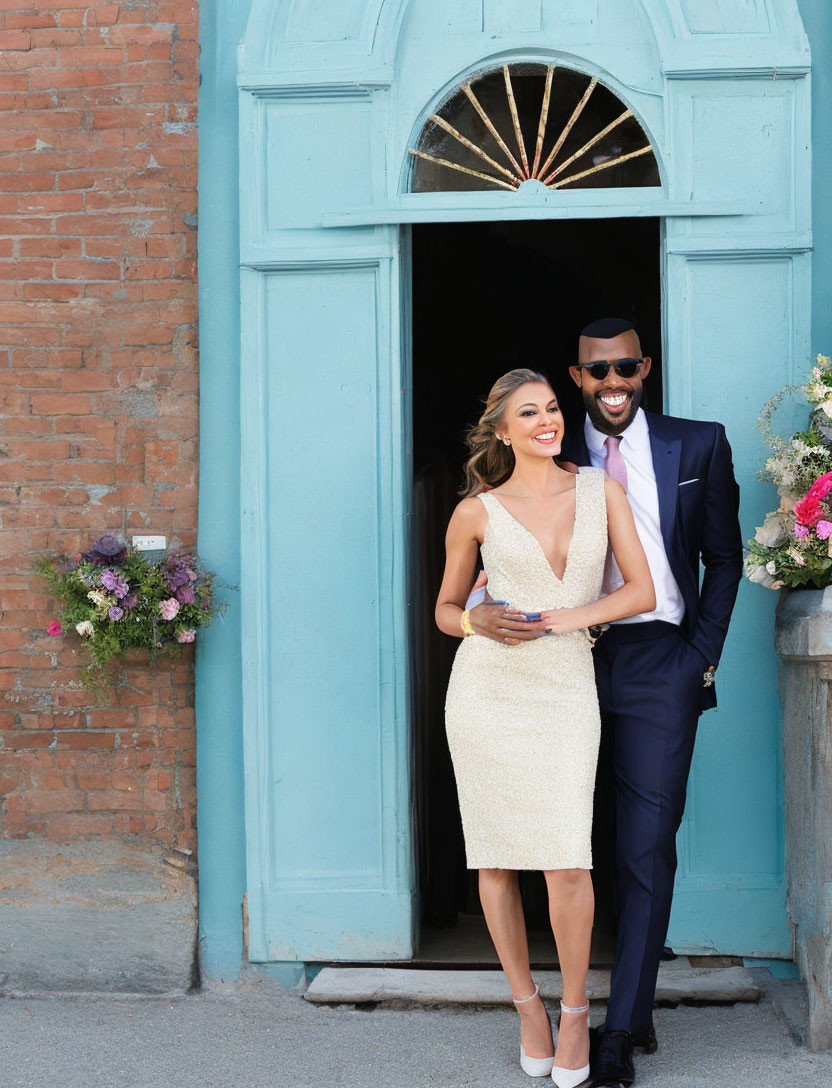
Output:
x=615 y=466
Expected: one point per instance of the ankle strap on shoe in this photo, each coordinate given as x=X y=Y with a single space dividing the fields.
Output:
x=577 y=1008
x=523 y=1000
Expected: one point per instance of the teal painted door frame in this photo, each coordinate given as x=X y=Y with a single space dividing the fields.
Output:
x=330 y=97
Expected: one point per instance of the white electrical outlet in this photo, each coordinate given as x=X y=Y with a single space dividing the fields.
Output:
x=150 y=543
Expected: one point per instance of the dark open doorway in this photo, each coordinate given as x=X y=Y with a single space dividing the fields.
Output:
x=488 y=298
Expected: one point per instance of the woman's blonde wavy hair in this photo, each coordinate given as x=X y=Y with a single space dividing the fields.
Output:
x=490 y=462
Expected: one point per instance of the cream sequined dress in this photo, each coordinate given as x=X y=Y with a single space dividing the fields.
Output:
x=522 y=721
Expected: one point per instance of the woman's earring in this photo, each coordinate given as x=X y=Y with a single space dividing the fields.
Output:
x=506 y=441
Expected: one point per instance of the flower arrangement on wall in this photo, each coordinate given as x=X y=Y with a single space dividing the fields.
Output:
x=793 y=546
x=117 y=600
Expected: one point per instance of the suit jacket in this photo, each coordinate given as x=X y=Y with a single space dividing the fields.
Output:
x=698 y=511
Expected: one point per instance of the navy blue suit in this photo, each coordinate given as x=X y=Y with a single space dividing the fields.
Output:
x=651 y=692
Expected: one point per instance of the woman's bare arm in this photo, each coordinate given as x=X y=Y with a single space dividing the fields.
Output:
x=462 y=540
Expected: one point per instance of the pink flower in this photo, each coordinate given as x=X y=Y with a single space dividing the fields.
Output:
x=169 y=608
x=821 y=487
x=824 y=529
x=800 y=531
x=54 y=629
x=809 y=510
x=186 y=636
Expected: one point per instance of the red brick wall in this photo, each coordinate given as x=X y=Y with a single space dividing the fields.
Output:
x=98 y=355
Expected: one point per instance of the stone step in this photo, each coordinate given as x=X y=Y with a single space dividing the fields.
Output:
x=678 y=982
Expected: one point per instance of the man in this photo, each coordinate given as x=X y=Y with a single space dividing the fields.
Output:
x=655 y=671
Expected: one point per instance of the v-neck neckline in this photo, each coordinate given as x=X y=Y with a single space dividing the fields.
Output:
x=540 y=547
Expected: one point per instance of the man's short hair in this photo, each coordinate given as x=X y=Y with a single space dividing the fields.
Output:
x=607 y=327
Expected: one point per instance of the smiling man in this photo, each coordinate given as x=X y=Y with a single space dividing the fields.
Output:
x=654 y=671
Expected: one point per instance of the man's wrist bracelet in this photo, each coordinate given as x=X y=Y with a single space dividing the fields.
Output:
x=465 y=622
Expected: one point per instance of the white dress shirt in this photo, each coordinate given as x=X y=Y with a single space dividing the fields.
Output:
x=643 y=496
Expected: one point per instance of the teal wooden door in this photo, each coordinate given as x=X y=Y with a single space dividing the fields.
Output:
x=332 y=96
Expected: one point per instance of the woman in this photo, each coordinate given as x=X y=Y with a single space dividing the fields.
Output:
x=522 y=720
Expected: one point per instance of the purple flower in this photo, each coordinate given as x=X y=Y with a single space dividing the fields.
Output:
x=115 y=613
x=169 y=608
x=824 y=529
x=187 y=596
x=130 y=601
x=108 y=545
x=106 y=550
x=800 y=531
x=186 y=636
x=176 y=571
x=110 y=580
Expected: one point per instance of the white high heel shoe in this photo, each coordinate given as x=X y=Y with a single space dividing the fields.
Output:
x=533 y=1067
x=571 y=1078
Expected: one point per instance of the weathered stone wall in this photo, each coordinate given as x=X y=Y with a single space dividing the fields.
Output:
x=98 y=355
x=804 y=643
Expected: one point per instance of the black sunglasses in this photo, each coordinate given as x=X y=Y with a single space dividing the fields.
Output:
x=624 y=368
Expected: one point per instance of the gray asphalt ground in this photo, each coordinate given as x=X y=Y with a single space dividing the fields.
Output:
x=259 y=1036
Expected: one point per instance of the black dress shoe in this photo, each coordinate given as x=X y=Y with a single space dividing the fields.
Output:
x=611 y=1060
x=646 y=1040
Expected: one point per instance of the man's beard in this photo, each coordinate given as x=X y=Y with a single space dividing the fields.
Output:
x=603 y=423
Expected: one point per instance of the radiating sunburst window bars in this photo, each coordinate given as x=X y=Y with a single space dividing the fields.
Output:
x=532 y=122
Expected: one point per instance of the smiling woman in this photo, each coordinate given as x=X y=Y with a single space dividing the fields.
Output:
x=522 y=709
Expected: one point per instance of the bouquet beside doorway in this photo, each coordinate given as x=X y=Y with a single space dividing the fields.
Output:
x=118 y=600
x=793 y=546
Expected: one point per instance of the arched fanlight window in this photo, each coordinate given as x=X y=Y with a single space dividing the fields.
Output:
x=537 y=122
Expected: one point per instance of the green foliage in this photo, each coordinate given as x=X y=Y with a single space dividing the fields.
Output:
x=118 y=601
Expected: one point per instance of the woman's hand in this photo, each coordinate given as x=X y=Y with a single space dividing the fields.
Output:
x=560 y=621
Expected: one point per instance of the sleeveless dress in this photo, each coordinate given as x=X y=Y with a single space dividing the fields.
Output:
x=522 y=721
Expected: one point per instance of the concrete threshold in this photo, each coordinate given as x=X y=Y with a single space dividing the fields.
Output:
x=678 y=983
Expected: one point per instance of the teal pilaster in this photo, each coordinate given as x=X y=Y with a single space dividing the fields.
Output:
x=817 y=19
x=222 y=870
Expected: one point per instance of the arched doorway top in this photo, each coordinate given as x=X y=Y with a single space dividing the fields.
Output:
x=324 y=39
x=531 y=124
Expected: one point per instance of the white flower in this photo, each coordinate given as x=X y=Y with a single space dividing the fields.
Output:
x=98 y=596
x=771 y=533
x=826 y=407
x=85 y=628
x=771 y=566
x=759 y=575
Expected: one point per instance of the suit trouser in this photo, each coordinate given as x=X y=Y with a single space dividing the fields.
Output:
x=649 y=687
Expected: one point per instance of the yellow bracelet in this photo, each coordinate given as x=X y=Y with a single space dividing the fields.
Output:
x=465 y=621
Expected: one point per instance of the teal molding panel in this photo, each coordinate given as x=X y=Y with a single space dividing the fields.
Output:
x=437 y=209
x=324 y=539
